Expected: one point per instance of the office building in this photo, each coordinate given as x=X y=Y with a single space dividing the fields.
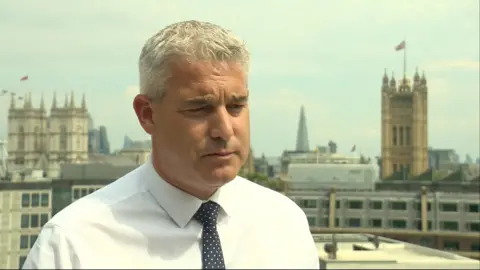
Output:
x=25 y=206
x=302 y=133
x=29 y=200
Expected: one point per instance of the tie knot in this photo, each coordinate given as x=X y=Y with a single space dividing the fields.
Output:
x=207 y=213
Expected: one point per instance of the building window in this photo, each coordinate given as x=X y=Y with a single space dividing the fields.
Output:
x=475 y=247
x=305 y=203
x=25 y=199
x=21 y=138
x=35 y=199
x=36 y=138
x=43 y=219
x=354 y=222
x=324 y=222
x=400 y=206
x=25 y=221
x=63 y=138
x=376 y=205
x=451 y=245
x=418 y=224
x=473 y=226
x=401 y=135
x=21 y=261
x=24 y=241
x=426 y=242
x=20 y=161
x=449 y=225
x=408 y=135
x=79 y=133
x=44 y=200
x=311 y=221
x=398 y=223
x=375 y=223
x=473 y=208
x=33 y=239
x=355 y=205
x=395 y=167
x=394 y=131
x=448 y=207
x=76 y=194
x=326 y=204
x=34 y=222
x=407 y=170
x=337 y=222
x=83 y=192
x=338 y=204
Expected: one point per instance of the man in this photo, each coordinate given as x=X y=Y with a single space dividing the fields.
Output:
x=186 y=207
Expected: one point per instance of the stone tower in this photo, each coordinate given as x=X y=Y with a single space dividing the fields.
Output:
x=404 y=126
x=27 y=133
x=37 y=140
x=69 y=131
x=302 y=133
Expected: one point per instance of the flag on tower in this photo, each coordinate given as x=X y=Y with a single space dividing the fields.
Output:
x=400 y=46
x=24 y=78
x=353 y=148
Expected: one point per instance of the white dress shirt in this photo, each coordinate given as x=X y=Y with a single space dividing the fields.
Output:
x=141 y=221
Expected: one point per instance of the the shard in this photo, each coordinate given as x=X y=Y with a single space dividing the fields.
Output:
x=302 y=133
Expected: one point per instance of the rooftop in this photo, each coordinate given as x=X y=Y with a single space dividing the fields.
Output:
x=357 y=251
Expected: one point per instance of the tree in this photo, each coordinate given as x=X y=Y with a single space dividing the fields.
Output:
x=263 y=180
x=258 y=178
x=439 y=175
x=276 y=184
x=364 y=160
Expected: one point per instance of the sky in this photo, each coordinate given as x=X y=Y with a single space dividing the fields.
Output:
x=329 y=56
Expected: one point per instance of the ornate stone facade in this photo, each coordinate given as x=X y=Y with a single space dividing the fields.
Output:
x=404 y=126
x=37 y=140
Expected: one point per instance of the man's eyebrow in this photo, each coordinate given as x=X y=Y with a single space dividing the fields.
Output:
x=209 y=99
x=200 y=100
x=239 y=98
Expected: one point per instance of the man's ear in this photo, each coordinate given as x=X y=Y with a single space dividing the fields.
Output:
x=143 y=109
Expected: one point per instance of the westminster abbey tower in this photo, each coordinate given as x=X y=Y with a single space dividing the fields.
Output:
x=38 y=140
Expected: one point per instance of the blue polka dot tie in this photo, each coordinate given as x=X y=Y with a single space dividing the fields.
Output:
x=212 y=255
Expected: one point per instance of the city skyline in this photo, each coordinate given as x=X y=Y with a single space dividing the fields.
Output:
x=304 y=54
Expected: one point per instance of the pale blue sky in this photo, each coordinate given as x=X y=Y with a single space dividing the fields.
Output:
x=327 y=55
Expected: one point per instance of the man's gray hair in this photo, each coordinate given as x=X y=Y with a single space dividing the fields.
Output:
x=189 y=40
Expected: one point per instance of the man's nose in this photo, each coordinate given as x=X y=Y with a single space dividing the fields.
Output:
x=221 y=125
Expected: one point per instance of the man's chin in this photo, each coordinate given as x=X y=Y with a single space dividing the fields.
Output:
x=223 y=174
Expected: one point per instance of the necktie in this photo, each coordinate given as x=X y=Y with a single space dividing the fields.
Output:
x=212 y=256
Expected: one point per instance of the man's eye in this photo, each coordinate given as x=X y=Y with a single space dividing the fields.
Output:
x=200 y=110
x=196 y=109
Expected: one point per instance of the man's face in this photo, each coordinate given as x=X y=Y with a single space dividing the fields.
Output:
x=200 y=128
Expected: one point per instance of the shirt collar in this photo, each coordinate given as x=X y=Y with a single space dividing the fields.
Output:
x=179 y=205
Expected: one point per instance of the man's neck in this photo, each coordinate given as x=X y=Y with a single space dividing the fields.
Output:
x=189 y=187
